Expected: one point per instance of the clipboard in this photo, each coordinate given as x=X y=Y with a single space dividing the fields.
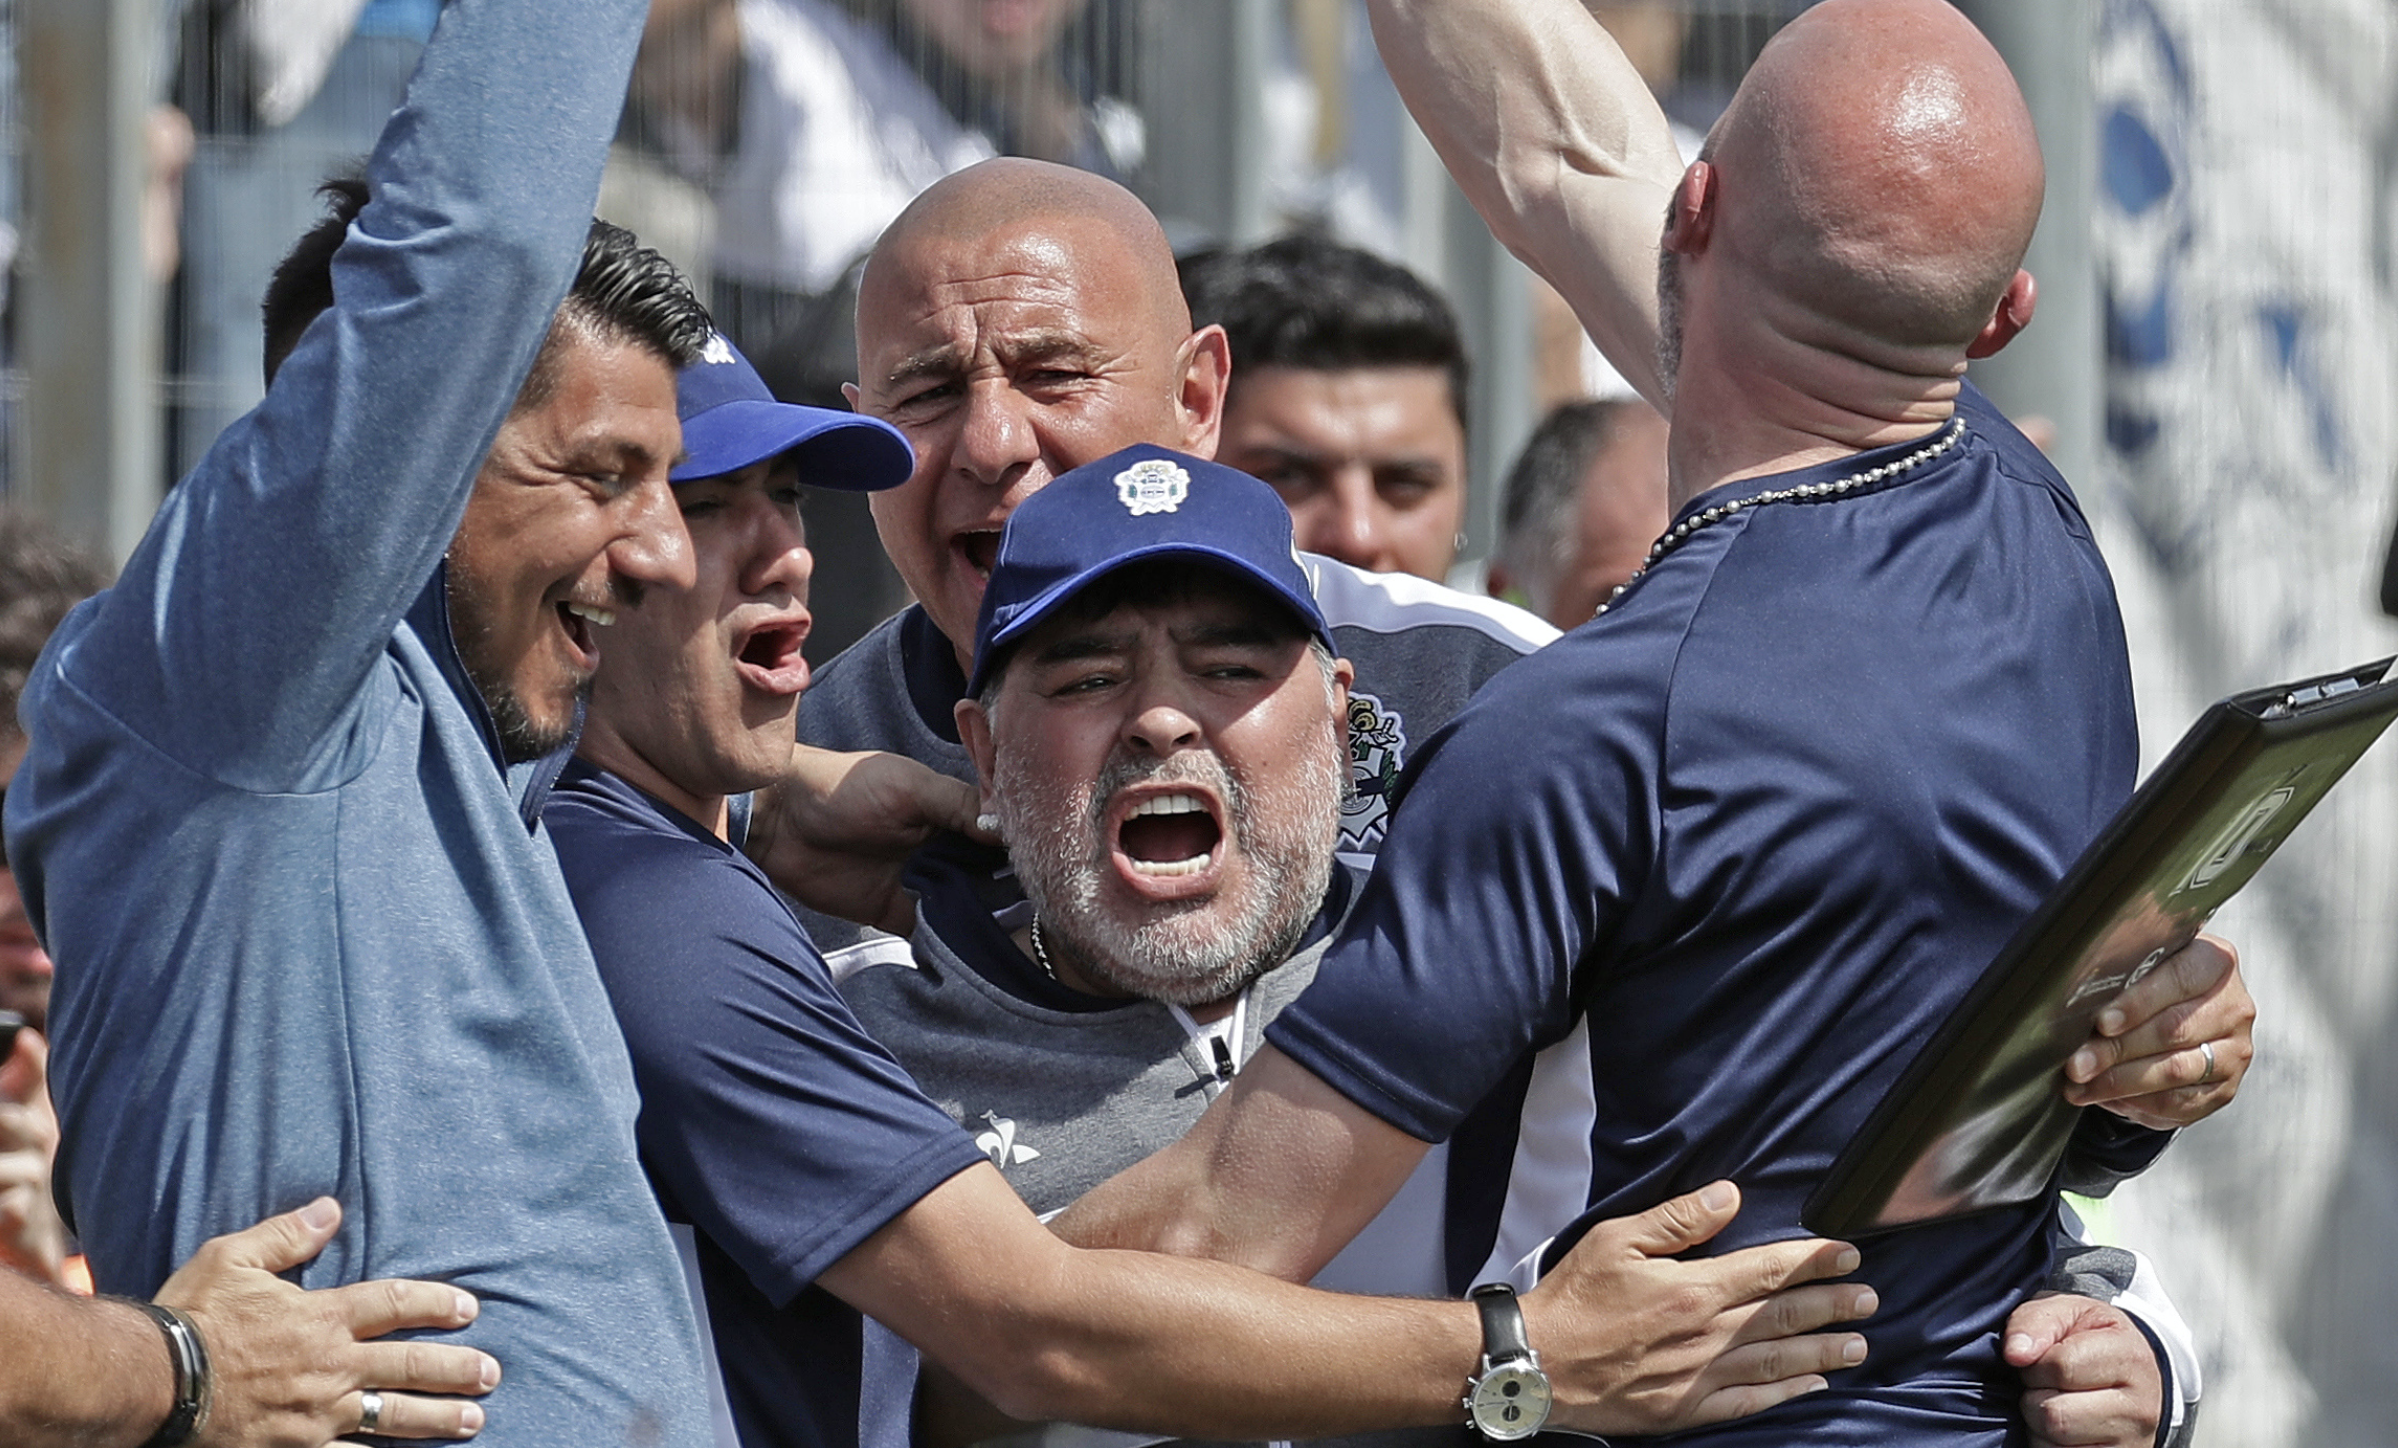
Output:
x=1976 y=1121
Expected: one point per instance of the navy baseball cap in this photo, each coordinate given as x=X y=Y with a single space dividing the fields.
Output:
x=1142 y=503
x=730 y=420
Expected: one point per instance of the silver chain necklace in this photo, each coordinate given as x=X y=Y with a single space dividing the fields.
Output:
x=1838 y=488
x=1040 y=952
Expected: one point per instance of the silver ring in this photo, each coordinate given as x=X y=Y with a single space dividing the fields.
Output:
x=370 y=1411
x=2207 y=1049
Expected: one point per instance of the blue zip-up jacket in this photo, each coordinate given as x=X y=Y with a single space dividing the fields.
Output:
x=310 y=935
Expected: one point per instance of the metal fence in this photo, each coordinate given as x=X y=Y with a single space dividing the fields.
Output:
x=2213 y=347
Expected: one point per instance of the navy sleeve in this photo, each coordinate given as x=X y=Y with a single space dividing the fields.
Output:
x=244 y=626
x=2106 y=1151
x=1524 y=832
x=768 y=1116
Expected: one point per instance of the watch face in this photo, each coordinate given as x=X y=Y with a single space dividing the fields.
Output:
x=1511 y=1402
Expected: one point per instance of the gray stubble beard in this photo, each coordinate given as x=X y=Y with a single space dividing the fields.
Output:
x=1055 y=837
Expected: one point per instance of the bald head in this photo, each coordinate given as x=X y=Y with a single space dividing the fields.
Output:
x=1018 y=320
x=1062 y=220
x=1879 y=173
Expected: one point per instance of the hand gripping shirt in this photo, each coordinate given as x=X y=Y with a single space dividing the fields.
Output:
x=774 y=1129
x=1717 y=863
x=310 y=937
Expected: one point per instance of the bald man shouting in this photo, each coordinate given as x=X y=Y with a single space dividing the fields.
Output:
x=1016 y=322
x=1723 y=858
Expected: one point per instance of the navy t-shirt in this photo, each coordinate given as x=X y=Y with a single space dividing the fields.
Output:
x=1737 y=846
x=770 y=1123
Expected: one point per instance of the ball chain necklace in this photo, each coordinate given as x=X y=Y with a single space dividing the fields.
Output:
x=1040 y=953
x=1840 y=488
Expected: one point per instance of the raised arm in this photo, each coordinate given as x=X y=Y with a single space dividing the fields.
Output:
x=276 y=573
x=1557 y=142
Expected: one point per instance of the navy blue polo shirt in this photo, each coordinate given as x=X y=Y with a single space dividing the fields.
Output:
x=770 y=1124
x=1733 y=849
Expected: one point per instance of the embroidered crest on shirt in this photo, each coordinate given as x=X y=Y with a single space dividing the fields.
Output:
x=1153 y=485
x=718 y=350
x=1000 y=1144
x=1377 y=749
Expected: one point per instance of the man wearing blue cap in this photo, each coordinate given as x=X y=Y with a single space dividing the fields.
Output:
x=279 y=822
x=1727 y=853
x=1171 y=833
x=814 y=1180
x=1174 y=835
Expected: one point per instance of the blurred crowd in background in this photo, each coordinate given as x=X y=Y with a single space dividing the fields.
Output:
x=767 y=142
x=2246 y=161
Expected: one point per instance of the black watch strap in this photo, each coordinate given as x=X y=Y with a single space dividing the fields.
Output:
x=1502 y=1322
x=190 y=1358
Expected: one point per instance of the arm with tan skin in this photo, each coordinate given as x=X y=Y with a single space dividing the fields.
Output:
x=2089 y=1375
x=1556 y=140
x=1283 y=1170
x=285 y=1366
x=2143 y=1061
x=835 y=832
x=1554 y=137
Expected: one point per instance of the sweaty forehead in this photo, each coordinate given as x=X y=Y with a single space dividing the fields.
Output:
x=1059 y=275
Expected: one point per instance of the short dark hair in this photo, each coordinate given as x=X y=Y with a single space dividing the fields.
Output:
x=42 y=575
x=1538 y=514
x=1308 y=301
x=622 y=292
x=302 y=286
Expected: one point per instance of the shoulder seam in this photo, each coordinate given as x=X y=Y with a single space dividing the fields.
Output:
x=1390 y=603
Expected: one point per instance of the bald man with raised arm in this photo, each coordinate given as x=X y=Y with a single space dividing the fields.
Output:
x=1766 y=817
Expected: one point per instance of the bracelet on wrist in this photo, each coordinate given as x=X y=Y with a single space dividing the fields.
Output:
x=190 y=1358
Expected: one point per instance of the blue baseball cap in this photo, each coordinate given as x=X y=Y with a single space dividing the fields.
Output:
x=1130 y=507
x=730 y=420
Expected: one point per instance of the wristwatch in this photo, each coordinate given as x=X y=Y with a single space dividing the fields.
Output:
x=1509 y=1398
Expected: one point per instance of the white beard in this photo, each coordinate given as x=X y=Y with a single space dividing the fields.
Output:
x=1186 y=952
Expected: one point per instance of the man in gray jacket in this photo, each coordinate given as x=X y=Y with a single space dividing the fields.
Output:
x=279 y=825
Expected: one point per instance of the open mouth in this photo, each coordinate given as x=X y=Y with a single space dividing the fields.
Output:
x=1168 y=836
x=981 y=550
x=582 y=622
x=769 y=658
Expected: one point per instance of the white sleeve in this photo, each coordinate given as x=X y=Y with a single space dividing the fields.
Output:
x=2128 y=1280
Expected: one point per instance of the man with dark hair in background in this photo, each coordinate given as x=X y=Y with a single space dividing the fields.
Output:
x=279 y=821
x=1348 y=395
x=1584 y=501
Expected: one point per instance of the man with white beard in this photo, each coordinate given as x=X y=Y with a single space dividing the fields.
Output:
x=1171 y=835
x=817 y=1184
x=1170 y=886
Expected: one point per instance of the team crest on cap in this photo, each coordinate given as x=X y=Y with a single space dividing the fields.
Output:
x=718 y=350
x=1152 y=485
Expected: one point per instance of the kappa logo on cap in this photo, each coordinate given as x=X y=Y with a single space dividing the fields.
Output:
x=1153 y=485
x=718 y=350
